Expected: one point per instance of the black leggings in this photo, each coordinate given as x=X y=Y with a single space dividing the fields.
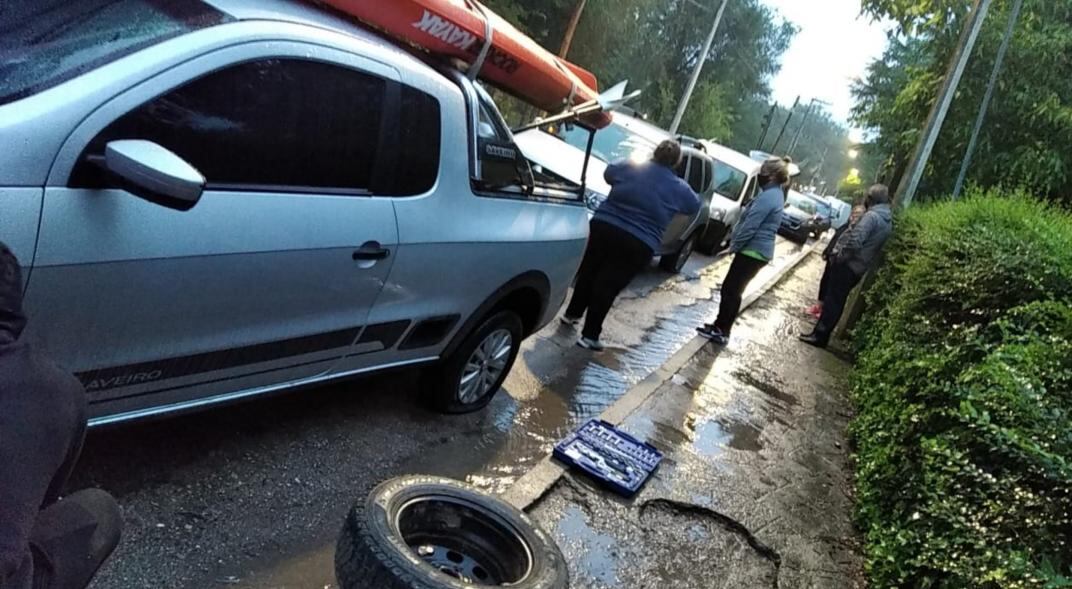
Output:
x=742 y=271
x=613 y=258
x=839 y=286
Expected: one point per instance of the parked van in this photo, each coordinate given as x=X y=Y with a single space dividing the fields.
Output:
x=559 y=151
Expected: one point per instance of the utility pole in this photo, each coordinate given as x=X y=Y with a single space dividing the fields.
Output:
x=1014 y=15
x=767 y=120
x=696 y=70
x=774 y=148
x=807 y=114
x=906 y=192
x=571 y=28
x=800 y=129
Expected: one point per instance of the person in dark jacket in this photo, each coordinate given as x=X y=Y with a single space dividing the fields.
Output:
x=625 y=232
x=45 y=541
x=816 y=310
x=752 y=246
x=855 y=254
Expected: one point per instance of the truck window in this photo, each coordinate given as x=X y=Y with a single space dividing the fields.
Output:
x=696 y=175
x=247 y=127
x=419 y=140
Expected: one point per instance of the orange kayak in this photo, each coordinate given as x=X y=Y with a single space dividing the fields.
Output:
x=456 y=28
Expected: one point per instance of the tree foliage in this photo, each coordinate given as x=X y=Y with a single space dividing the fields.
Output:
x=656 y=43
x=1029 y=124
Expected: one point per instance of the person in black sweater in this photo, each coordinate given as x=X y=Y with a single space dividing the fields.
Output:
x=45 y=541
x=816 y=310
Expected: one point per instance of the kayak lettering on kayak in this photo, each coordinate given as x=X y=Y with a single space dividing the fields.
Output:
x=500 y=59
x=446 y=31
x=452 y=34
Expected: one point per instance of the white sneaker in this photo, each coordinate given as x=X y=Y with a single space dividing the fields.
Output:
x=570 y=321
x=590 y=344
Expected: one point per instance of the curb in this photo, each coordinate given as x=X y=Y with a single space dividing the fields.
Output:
x=535 y=483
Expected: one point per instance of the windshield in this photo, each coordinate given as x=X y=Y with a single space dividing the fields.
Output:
x=728 y=180
x=803 y=203
x=46 y=42
x=612 y=144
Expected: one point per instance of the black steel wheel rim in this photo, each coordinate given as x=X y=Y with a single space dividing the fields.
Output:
x=464 y=540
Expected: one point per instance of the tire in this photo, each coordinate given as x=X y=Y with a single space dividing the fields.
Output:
x=470 y=538
x=673 y=263
x=712 y=238
x=443 y=384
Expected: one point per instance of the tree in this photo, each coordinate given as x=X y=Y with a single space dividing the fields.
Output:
x=655 y=43
x=1029 y=126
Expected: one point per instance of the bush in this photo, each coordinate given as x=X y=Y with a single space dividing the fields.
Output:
x=964 y=395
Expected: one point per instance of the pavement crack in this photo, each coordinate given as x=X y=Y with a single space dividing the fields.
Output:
x=726 y=521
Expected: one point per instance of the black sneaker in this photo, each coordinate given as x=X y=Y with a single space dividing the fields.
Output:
x=812 y=339
x=590 y=344
x=714 y=334
x=570 y=321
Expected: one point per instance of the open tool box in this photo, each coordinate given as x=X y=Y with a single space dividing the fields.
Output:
x=616 y=459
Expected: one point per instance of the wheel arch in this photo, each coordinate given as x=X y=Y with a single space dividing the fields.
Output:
x=528 y=294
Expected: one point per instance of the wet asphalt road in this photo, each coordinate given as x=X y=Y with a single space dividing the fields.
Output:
x=253 y=495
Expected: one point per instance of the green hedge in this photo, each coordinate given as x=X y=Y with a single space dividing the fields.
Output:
x=964 y=394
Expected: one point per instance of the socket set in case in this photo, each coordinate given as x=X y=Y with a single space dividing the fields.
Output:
x=614 y=458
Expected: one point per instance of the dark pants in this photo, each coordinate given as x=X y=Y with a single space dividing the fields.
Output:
x=839 y=285
x=824 y=282
x=742 y=271
x=611 y=261
x=45 y=541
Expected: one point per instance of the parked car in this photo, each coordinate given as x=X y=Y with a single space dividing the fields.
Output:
x=734 y=187
x=242 y=197
x=842 y=211
x=801 y=219
x=560 y=152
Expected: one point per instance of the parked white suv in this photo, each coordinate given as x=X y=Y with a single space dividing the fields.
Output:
x=735 y=186
x=560 y=152
x=226 y=199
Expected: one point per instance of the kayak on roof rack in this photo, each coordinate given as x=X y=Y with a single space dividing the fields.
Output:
x=494 y=49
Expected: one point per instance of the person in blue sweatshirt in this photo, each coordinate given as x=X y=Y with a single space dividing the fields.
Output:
x=752 y=246
x=625 y=232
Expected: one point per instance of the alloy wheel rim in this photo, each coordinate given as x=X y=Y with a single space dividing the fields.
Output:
x=484 y=366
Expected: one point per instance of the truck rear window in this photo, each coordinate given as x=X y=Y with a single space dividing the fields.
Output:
x=46 y=42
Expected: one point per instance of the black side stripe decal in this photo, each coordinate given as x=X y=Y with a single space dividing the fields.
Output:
x=387 y=334
x=120 y=376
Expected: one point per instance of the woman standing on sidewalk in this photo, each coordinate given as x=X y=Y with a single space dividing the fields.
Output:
x=625 y=232
x=752 y=246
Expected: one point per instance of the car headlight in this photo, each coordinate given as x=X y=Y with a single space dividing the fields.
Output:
x=593 y=199
x=718 y=215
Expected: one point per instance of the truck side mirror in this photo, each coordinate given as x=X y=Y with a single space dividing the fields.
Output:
x=152 y=172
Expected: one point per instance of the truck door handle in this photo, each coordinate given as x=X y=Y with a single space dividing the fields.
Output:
x=371 y=250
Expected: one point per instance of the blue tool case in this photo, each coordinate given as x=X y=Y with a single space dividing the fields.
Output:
x=613 y=457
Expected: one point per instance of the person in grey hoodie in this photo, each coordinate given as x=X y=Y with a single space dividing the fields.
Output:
x=854 y=255
x=45 y=541
x=752 y=246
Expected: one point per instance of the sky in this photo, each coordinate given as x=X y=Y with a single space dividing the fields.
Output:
x=834 y=46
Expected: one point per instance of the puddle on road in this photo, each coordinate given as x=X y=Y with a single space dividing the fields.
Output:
x=765 y=384
x=554 y=388
x=594 y=553
x=713 y=437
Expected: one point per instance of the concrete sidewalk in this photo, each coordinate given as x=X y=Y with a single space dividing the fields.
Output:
x=755 y=490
